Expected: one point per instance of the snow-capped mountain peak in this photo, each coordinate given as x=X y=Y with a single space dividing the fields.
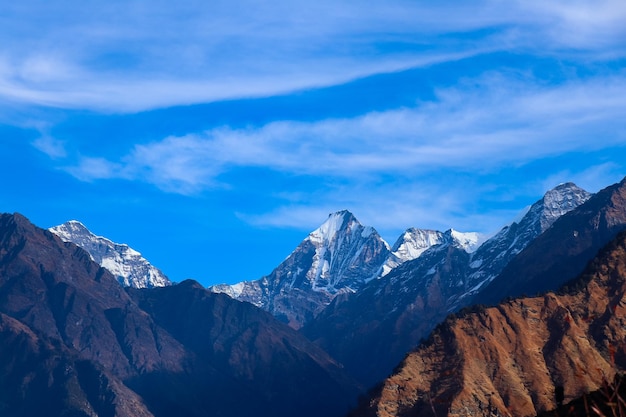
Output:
x=339 y=256
x=491 y=257
x=342 y=256
x=339 y=222
x=126 y=264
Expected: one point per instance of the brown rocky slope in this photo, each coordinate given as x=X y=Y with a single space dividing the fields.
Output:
x=510 y=360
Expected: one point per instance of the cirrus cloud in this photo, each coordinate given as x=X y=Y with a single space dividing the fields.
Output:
x=132 y=56
x=493 y=122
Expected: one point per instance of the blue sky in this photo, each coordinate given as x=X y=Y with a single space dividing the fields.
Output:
x=214 y=136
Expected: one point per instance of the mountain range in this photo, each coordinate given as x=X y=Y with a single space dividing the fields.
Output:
x=338 y=315
x=340 y=257
x=382 y=322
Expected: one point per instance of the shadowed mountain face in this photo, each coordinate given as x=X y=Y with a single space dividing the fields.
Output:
x=41 y=378
x=73 y=338
x=263 y=363
x=518 y=357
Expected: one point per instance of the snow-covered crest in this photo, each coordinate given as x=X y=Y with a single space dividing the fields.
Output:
x=469 y=241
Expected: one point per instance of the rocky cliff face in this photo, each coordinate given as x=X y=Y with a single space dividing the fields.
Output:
x=338 y=257
x=126 y=264
x=512 y=359
x=388 y=317
x=75 y=337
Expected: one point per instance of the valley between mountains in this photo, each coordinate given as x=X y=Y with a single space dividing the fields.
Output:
x=346 y=324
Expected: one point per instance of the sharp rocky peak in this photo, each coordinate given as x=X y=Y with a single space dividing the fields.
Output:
x=555 y=203
x=410 y=245
x=417 y=239
x=559 y=200
x=468 y=241
x=339 y=256
x=75 y=225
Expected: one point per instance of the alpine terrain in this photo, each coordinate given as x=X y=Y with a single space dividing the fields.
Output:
x=125 y=263
x=563 y=251
x=340 y=257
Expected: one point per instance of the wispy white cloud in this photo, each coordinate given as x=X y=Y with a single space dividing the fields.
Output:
x=52 y=147
x=478 y=127
x=137 y=91
x=130 y=56
x=579 y=24
x=89 y=169
x=492 y=122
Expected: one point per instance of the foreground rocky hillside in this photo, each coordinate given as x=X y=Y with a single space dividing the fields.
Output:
x=512 y=359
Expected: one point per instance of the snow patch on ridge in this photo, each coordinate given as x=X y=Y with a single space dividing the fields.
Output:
x=469 y=241
x=411 y=245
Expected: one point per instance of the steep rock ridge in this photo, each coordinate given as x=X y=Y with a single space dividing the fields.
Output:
x=175 y=350
x=510 y=360
x=491 y=258
x=125 y=263
x=563 y=250
x=388 y=317
x=338 y=257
